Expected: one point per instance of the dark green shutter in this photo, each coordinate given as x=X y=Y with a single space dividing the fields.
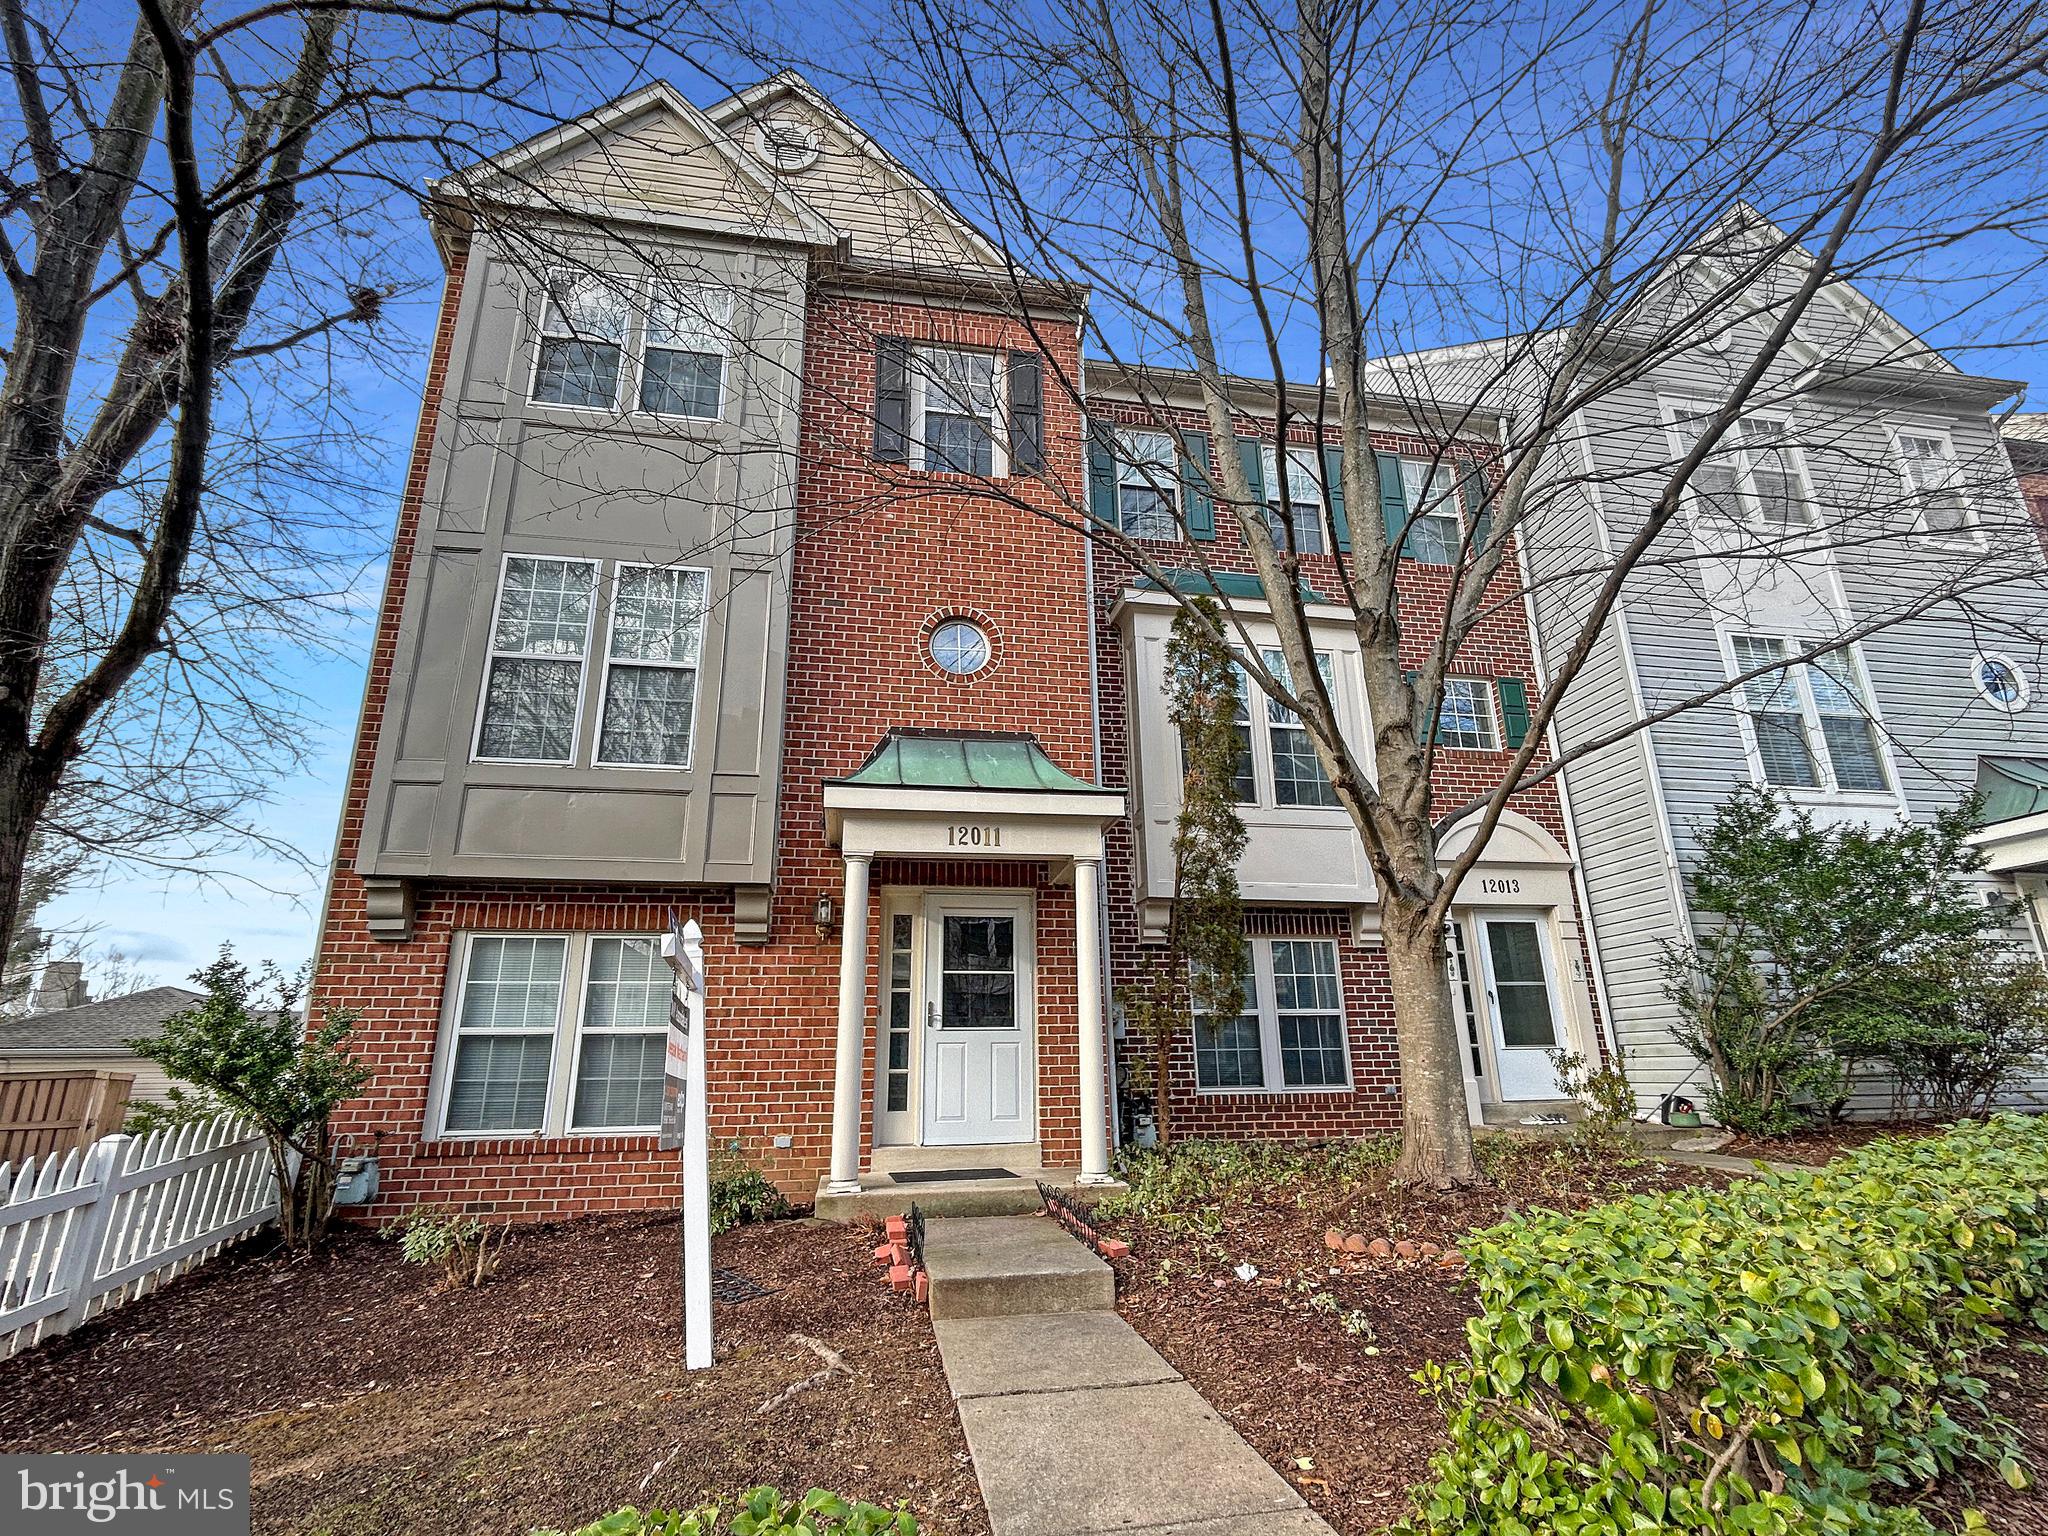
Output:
x=1198 y=504
x=1253 y=457
x=1393 y=499
x=1514 y=711
x=1333 y=476
x=1102 y=503
x=892 y=399
x=1477 y=516
x=1027 y=413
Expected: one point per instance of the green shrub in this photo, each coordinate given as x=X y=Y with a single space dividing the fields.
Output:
x=763 y=1512
x=1773 y=1357
x=740 y=1192
x=467 y=1249
x=1184 y=1182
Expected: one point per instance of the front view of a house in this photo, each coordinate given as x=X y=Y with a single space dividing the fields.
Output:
x=740 y=577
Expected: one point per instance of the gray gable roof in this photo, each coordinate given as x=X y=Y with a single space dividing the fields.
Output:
x=102 y=1026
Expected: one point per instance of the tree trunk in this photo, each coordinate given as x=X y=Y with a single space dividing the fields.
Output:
x=24 y=795
x=1436 y=1127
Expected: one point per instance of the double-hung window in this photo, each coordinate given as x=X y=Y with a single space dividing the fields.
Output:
x=689 y=333
x=583 y=324
x=555 y=1032
x=1147 y=485
x=1298 y=777
x=650 y=684
x=957 y=411
x=1465 y=718
x=1752 y=476
x=1811 y=721
x=533 y=683
x=1297 y=498
x=532 y=707
x=592 y=326
x=1927 y=463
x=1290 y=1031
x=1435 y=530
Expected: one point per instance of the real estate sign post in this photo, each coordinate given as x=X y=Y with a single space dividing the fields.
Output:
x=683 y=1124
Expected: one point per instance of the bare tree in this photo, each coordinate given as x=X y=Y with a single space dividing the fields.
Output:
x=1328 y=194
x=196 y=225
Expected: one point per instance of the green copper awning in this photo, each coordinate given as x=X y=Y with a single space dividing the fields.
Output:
x=1228 y=584
x=2012 y=787
x=908 y=758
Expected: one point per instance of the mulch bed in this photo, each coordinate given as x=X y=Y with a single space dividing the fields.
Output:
x=1338 y=1413
x=374 y=1402
x=1825 y=1143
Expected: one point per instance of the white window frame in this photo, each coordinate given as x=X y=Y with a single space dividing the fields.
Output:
x=920 y=384
x=2019 y=675
x=1447 y=506
x=1971 y=534
x=1279 y=487
x=695 y=668
x=1268 y=1009
x=492 y=655
x=1489 y=716
x=1259 y=705
x=566 y=1046
x=1131 y=470
x=639 y=295
x=655 y=286
x=1734 y=451
x=1827 y=790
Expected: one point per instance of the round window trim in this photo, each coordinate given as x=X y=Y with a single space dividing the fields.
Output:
x=2011 y=700
x=959 y=647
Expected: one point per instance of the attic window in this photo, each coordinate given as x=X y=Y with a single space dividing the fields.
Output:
x=787 y=143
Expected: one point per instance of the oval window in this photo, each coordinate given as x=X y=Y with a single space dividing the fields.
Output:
x=1999 y=682
x=959 y=647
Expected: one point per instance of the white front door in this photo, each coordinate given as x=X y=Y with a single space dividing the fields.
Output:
x=978 y=1022
x=1521 y=996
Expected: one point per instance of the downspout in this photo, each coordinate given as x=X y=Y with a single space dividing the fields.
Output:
x=1116 y=1119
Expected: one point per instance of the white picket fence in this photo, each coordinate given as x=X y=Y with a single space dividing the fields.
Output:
x=102 y=1225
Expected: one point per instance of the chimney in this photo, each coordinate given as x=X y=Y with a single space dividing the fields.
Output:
x=62 y=985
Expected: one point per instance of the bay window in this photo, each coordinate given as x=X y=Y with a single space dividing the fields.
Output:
x=533 y=682
x=593 y=326
x=1298 y=777
x=689 y=331
x=650 y=684
x=582 y=340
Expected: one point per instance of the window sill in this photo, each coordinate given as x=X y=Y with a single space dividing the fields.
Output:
x=1862 y=799
x=1275 y=1093
x=536 y=1144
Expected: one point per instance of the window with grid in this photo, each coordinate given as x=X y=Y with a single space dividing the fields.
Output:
x=689 y=334
x=1298 y=777
x=1751 y=476
x=1466 y=716
x=1299 y=497
x=1932 y=475
x=1812 y=721
x=1435 y=529
x=1148 y=485
x=509 y=1005
x=1290 y=1033
x=959 y=409
x=1229 y=1053
x=582 y=341
x=622 y=1039
x=650 y=688
x=533 y=682
x=1308 y=1013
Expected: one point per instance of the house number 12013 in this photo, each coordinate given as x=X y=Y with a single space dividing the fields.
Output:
x=1496 y=885
x=961 y=836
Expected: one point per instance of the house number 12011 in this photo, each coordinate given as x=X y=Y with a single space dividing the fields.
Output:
x=960 y=836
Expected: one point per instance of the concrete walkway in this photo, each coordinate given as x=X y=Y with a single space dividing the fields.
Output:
x=1076 y=1424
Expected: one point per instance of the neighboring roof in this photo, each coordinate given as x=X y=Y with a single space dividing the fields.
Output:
x=1156 y=383
x=1234 y=584
x=909 y=758
x=2029 y=425
x=2012 y=787
x=107 y=1025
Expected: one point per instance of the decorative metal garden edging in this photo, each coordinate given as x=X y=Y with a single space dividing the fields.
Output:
x=1080 y=1221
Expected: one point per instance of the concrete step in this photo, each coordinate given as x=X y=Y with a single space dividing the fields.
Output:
x=1510 y=1116
x=881 y=1196
x=1006 y=1266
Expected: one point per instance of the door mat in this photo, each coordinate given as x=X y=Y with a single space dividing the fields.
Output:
x=947 y=1175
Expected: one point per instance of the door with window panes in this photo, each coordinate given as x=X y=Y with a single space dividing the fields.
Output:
x=978 y=1020
x=1522 y=1000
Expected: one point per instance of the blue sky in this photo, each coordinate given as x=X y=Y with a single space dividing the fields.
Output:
x=169 y=924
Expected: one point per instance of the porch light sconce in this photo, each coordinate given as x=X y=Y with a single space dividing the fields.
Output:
x=822 y=914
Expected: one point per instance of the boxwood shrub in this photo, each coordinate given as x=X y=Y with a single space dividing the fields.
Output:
x=1795 y=1353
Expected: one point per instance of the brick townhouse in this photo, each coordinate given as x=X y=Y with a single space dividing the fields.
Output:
x=737 y=577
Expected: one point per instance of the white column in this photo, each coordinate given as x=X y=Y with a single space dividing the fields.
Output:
x=853 y=1021
x=1094 y=1041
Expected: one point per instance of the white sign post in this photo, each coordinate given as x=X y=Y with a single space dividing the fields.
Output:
x=684 y=1124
